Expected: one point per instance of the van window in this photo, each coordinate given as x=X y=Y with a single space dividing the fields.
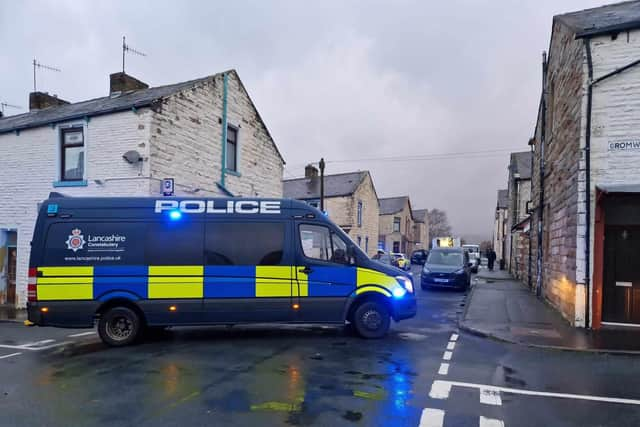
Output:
x=174 y=243
x=240 y=243
x=318 y=242
x=92 y=243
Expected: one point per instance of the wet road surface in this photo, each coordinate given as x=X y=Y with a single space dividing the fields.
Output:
x=424 y=373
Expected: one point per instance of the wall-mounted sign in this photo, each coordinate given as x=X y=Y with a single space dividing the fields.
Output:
x=625 y=145
x=167 y=187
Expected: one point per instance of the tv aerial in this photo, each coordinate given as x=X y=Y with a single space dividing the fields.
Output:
x=36 y=66
x=126 y=48
x=4 y=105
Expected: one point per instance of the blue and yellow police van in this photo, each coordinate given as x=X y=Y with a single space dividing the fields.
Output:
x=130 y=264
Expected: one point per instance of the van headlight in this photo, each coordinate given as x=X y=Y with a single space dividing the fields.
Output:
x=461 y=271
x=425 y=270
x=406 y=283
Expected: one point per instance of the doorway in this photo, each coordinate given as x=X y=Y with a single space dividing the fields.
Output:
x=621 y=284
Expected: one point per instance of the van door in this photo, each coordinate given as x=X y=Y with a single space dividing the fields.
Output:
x=324 y=276
x=248 y=272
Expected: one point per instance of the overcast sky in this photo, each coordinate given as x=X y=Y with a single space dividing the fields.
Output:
x=343 y=80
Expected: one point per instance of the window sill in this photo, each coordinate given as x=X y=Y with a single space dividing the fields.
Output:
x=232 y=172
x=82 y=183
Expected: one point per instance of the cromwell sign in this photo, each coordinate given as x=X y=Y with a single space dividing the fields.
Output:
x=625 y=145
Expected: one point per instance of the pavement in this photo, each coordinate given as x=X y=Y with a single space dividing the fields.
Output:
x=8 y=313
x=503 y=308
x=426 y=372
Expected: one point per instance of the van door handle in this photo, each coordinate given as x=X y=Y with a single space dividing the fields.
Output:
x=305 y=270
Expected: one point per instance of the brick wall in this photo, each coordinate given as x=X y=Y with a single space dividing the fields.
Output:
x=29 y=165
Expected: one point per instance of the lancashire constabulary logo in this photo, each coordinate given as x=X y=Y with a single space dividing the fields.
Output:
x=75 y=241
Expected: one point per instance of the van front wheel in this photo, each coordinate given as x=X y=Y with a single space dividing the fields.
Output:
x=119 y=326
x=371 y=320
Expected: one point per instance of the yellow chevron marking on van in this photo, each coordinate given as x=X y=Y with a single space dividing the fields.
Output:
x=66 y=271
x=65 y=292
x=363 y=289
x=65 y=280
x=273 y=281
x=176 y=270
x=303 y=283
x=372 y=277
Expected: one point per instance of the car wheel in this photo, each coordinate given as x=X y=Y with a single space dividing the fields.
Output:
x=371 y=320
x=119 y=326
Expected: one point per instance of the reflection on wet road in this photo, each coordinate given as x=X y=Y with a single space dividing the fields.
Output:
x=249 y=375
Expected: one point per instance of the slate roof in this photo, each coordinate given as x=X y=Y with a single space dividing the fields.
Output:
x=338 y=185
x=93 y=107
x=420 y=215
x=503 y=199
x=392 y=205
x=521 y=163
x=604 y=19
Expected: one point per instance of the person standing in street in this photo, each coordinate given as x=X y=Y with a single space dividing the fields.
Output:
x=491 y=258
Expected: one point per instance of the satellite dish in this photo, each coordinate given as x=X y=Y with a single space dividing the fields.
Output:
x=132 y=157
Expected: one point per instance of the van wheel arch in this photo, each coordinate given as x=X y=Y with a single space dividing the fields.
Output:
x=365 y=297
x=121 y=302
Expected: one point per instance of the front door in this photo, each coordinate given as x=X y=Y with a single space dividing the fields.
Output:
x=621 y=285
x=325 y=276
x=11 y=276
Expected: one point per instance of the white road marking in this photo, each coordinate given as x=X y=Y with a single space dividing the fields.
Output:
x=447 y=355
x=432 y=418
x=454 y=337
x=490 y=397
x=440 y=389
x=38 y=343
x=443 y=385
x=490 y=422
x=444 y=369
x=82 y=334
x=451 y=345
x=10 y=355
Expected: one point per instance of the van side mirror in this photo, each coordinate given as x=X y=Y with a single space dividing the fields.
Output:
x=352 y=255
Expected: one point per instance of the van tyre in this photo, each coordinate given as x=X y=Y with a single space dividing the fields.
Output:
x=371 y=320
x=119 y=326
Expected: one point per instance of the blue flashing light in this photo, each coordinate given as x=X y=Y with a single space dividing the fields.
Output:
x=399 y=292
x=175 y=215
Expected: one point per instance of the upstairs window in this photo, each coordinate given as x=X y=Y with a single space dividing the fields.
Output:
x=396 y=224
x=72 y=154
x=232 y=149
x=359 y=214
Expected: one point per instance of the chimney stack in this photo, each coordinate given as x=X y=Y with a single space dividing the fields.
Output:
x=42 y=100
x=122 y=82
x=310 y=171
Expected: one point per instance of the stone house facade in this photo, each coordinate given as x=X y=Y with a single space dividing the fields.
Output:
x=500 y=225
x=396 y=225
x=421 y=228
x=174 y=131
x=519 y=196
x=586 y=179
x=350 y=201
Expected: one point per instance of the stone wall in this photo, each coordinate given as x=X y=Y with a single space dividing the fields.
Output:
x=564 y=96
x=186 y=142
x=406 y=234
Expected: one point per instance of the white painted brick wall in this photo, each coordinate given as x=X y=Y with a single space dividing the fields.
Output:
x=615 y=117
x=29 y=166
x=182 y=141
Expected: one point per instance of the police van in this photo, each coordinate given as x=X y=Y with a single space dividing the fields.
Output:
x=130 y=264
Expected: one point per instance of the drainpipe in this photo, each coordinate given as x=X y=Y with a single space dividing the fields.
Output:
x=224 y=129
x=587 y=195
x=543 y=124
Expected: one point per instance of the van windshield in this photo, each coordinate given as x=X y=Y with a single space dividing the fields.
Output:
x=451 y=258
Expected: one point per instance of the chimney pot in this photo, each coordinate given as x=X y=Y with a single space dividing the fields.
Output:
x=310 y=171
x=122 y=82
x=42 y=100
